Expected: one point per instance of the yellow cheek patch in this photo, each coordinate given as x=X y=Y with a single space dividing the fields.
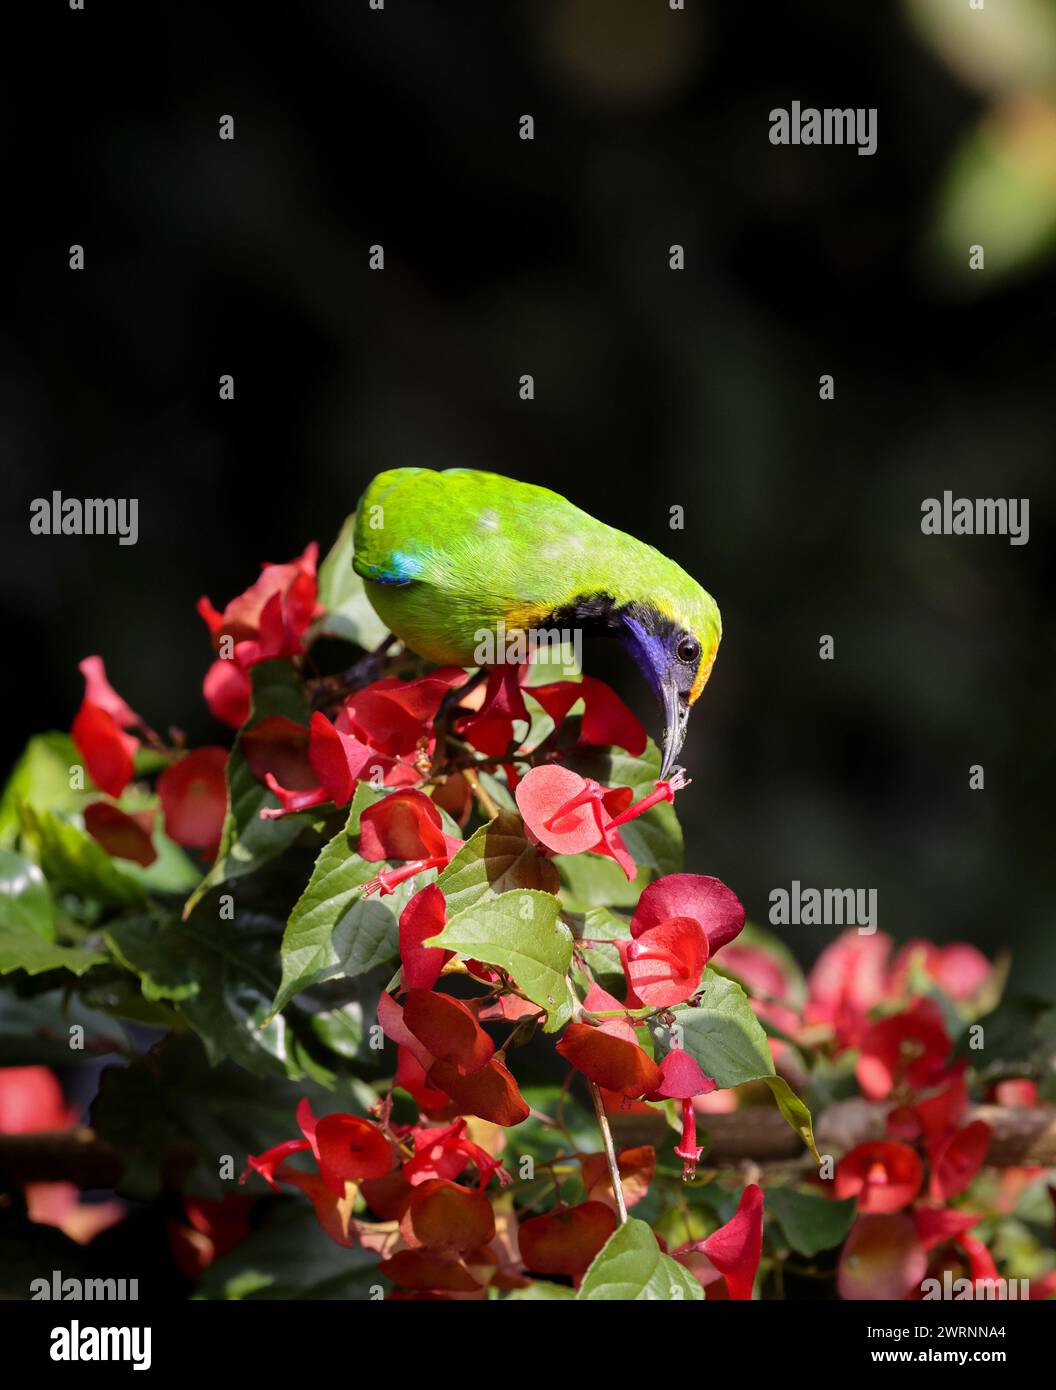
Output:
x=703 y=672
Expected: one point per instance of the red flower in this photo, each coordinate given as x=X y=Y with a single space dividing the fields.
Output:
x=270 y=618
x=444 y=1153
x=956 y=1160
x=121 y=835
x=98 y=730
x=908 y=1048
x=193 y=795
x=682 y=1079
x=664 y=964
x=884 y=1175
x=349 y=1148
x=704 y=900
x=394 y=717
x=959 y=970
x=404 y=825
x=606 y=719
x=31 y=1099
x=936 y=1225
x=211 y=1230
x=566 y=1241
x=569 y=814
x=612 y=1061
x=849 y=979
x=280 y=746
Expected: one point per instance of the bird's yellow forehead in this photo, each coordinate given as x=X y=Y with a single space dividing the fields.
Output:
x=707 y=661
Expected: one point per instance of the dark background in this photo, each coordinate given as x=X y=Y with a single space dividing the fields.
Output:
x=653 y=388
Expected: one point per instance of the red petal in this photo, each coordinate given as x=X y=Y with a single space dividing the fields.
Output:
x=541 y=794
x=350 y=1148
x=404 y=825
x=955 y=1161
x=99 y=692
x=566 y=1241
x=636 y=1168
x=448 y=1029
x=417 y=1269
x=884 y=1175
x=279 y=746
x=106 y=750
x=734 y=1249
x=882 y=1258
x=705 y=899
x=424 y=916
x=617 y=1065
x=121 y=835
x=193 y=795
x=665 y=963
x=490 y=1093
x=227 y=689
x=682 y=1078
x=446 y=1218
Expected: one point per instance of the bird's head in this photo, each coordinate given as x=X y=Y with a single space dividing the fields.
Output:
x=674 y=640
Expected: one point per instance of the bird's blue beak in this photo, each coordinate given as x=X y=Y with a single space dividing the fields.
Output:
x=676 y=718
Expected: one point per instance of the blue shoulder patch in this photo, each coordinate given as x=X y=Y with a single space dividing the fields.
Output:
x=399 y=568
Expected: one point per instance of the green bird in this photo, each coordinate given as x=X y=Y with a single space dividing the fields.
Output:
x=447 y=556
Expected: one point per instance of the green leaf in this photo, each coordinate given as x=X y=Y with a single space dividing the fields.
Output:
x=246 y=841
x=729 y=1044
x=631 y=1267
x=810 y=1223
x=220 y=975
x=540 y=1290
x=521 y=933
x=25 y=902
x=722 y=1034
x=795 y=1111
x=496 y=859
x=333 y=930
x=176 y=1120
x=73 y=861
x=36 y=1031
x=348 y=612
x=40 y=779
x=292 y=1257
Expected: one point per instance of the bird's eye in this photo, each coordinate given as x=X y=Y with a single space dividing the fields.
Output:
x=688 y=650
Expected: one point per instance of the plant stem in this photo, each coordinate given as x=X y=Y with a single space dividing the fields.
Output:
x=487 y=805
x=610 y=1151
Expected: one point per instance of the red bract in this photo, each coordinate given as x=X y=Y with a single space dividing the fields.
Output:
x=606 y=719
x=121 y=835
x=734 y=1249
x=98 y=730
x=884 y=1175
x=279 y=746
x=447 y=1219
x=448 y=1029
x=213 y=1228
x=565 y=1241
x=908 y=1048
x=490 y=1092
x=664 y=964
x=882 y=1258
x=269 y=1163
x=412 y=1077
x=936 y=1225
x=418 y=1269
x=193 y=795
x=956 y=1160
x=423 y=917
x=613 y=1062
x=849 y=978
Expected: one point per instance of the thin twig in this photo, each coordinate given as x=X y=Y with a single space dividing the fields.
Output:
x=610 y=1150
